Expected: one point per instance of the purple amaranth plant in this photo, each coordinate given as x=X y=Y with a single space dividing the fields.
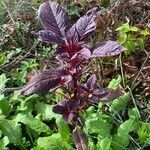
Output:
x=73 y=52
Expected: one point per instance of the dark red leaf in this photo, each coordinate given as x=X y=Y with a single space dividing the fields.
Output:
x=80 y=139
x=53 y=17
x=108 y=48
x=50 y=37
x=48 y=80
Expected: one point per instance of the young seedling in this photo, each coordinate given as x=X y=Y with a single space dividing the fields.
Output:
x=73 y=53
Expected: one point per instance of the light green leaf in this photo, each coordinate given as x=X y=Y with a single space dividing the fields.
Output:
x=114 y=83
x=3 y=81
x=12 y=130
x=32 y=123
x=104 y=144
x=63 y=130
x=121 y=139
x=124 y=28
x=120 y=103
x=122 y=39
x=96 y=124
x=45 y=110
x=134 y=29
x=144 y=133
x=3 y=143
x=53 y=142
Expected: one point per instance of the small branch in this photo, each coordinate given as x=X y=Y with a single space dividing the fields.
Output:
x=135 y=79
x=8 y=11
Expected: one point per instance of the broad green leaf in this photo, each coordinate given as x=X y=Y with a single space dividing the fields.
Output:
x=121 y=139
x=63 y=130
x=104 y=144
x=3 y=143
x=45 y=110
x=114 y=83
x=95 y=124
x=53 y=142
x=120 y=103
x=33 y=123
x=12 y=130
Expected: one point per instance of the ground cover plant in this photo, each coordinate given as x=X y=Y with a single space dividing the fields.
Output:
x=75 y=87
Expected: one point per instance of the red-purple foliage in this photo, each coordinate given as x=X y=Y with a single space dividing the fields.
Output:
x=73 y=50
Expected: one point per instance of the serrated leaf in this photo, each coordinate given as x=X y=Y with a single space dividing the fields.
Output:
x=96 y=125
x=12 y=130
x=4 y=106
x=120 y=103
x=107 y=49
x=80 y=139
x=45 y=110
x=53 y=18
x=53 y=142
x=33 y=123
x=90 y=82
x=63 y=130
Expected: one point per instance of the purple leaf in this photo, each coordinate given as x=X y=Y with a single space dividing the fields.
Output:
x=108 y=48
x=50 y=37
x=80 y=139
x=85 y=53
x=90 y=83
x=105 y=95
x=48 y=80
x=67 y=109
x=53 y=18
x=83 y=28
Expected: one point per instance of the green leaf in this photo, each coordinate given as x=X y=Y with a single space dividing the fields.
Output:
x=104 y=144
x=53 y=142
x=122 y=39
x=32 y=123
x=3 y=143
x=12 y=130
x=134 y=29
x=4 y=106
x=124 y=28
x=114 y=83
x=63 y=130
x=120 y=103
x=144 y=133
x=45 y=110
x=3 y=81
x=121 y=139
x=94 y=124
